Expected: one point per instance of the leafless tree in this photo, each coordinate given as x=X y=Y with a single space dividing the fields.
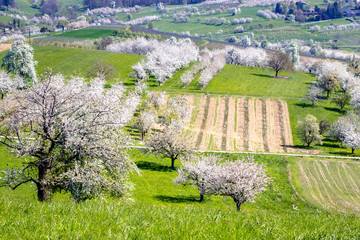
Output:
x=280 y=61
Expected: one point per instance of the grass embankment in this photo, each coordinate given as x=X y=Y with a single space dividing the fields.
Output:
x=161 y=210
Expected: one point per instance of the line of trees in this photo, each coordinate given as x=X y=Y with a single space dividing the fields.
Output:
x=131 y=3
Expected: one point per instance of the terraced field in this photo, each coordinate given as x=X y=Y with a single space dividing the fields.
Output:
x=333 y=185
x=239 y=124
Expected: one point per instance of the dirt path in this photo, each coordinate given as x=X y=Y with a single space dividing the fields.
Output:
x=4 y=47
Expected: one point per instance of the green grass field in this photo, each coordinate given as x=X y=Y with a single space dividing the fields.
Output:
x=77 y=62
x=159 y=209
x=88 y=33
x=332 y=185
x=257 y=82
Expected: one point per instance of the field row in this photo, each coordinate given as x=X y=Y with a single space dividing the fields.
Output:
x=332 y=185
x=239 y=124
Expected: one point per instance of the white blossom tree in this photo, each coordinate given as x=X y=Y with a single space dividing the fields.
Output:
x=6 y=83
x=197 y=171
x=347 y=130
x=156 y=99
x=292 y=49
x=20 y=60
x=163 y=59
x=171 y=143
x=313 y=94
x=146 y=121
x=71 y=135
x=355 y=98
x=252 y=57
x=213 y=66
x=178 y=112
x=241 y=180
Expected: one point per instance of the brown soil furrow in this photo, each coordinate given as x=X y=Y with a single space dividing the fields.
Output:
x=273 y=128
x=252 y=124
x=239 y=135
x=287 y=125
x=199 y=120
x=218 y=128
x=277 y=127
x=255 y=126
x=230 y=131
x=208 y=126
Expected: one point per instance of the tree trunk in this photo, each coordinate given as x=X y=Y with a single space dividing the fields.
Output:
x=328 y=94
x=308 y=144
x=277 y=72
x=201 y=197
x=43 y=187
x=43 y=191
x=352 y=150
x=238 y=203
x=142 y=135
x=173 y=163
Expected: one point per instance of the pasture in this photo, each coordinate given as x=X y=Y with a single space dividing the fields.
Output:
x=87 y=33
x=160 y=209
x=77 y=62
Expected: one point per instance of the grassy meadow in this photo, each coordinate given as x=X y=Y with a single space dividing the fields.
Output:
x=77 y=62
x=159 y=209
x=87 y=33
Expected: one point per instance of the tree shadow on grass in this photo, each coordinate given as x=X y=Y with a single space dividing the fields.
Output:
x=143 y=165
x=178 y=199
x=304 y=105
x=334 y=109
x=262 y=75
